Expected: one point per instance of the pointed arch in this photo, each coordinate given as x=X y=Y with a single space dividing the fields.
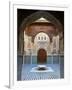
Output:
x=33 y=17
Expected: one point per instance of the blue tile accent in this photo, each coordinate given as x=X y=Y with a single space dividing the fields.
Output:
x=19 y=59
x=19 y=66
x=27 y=59
x=62 y=66
x=55 y=59
x=49 y=60
x=34 y=59
x=62 y=59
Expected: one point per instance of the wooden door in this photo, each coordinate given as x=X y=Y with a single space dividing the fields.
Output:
x=42 y=56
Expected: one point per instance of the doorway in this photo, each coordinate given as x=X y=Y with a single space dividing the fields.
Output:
x=41 y=56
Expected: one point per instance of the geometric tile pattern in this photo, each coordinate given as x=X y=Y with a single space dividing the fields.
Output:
x=50 y=59
x=28 y=75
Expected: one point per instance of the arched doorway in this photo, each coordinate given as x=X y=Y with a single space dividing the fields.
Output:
x=41 y=56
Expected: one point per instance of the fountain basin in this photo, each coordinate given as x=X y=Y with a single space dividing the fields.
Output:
x=42 y=68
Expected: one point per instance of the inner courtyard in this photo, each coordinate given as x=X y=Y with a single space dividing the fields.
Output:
x=40 y=50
